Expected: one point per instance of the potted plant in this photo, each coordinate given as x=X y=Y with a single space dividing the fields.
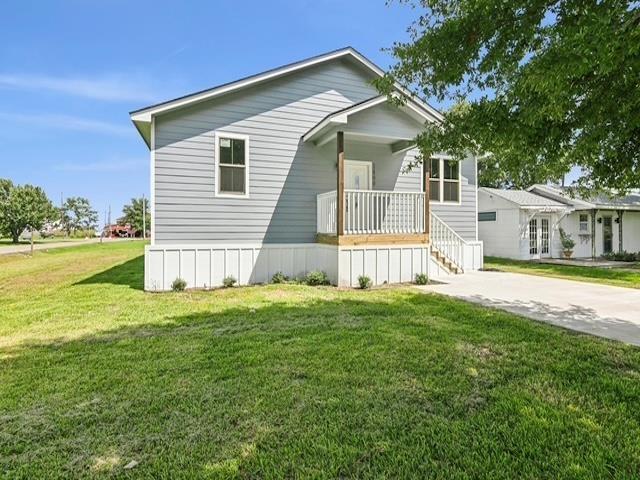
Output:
x=567 y=243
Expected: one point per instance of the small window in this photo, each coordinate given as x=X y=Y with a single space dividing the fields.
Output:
x=487 y=216
x=584 y=222
x=451 y=181
x=434 y=180
x=232 y=165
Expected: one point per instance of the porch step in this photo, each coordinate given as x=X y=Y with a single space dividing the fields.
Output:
x=445 y=262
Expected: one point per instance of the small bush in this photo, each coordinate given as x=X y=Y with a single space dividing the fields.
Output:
x=623 y=256
x=422 y=278
x=229 y=281
x=279 y=277
x=364 y=281
x=179 y=284
x=316 y=278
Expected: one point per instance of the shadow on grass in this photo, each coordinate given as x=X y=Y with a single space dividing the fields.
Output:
x=353 y=386
x=129 y=273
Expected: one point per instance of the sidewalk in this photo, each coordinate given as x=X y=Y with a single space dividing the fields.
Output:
x=22 y=248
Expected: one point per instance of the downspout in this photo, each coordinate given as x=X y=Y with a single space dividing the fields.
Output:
x=593 y=233
x=620 y=246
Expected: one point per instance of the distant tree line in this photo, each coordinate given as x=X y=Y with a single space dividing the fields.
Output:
x=27 y=208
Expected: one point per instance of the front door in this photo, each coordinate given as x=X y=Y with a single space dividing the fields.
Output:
x=357 y=175
x=607 y=234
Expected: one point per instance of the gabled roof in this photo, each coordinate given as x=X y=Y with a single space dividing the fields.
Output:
x=631 y=201
x=142 y=117
x=341 y=116
x=524 y=199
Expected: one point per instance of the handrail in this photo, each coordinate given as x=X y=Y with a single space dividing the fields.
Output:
x=446 y=241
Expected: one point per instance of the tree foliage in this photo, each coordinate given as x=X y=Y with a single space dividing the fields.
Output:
x=22 y=207
x=77 y=214
x=132 y=214
x=541 y=85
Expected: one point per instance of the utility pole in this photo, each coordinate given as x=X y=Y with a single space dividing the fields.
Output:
x=144 y=218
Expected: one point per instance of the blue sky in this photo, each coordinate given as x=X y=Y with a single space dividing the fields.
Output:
x=70 y=71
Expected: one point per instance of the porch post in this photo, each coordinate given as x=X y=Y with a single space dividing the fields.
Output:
x=620 y=246
x=426 y=174
x=340 y=185
x=593 y=233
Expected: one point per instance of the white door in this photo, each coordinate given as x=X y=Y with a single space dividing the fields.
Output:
x=539 y=237
x=357 y=175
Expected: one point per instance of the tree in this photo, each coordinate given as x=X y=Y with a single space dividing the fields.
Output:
x=77 y=214
x=542 y=86
x=132 y=214
x=22 y=207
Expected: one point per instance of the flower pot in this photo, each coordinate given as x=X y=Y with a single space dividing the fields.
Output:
x=567 y=253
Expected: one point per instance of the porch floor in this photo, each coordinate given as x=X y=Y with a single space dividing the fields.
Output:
x=374 y=239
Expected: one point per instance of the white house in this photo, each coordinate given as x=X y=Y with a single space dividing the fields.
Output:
x=525 y=224
x=302 y=168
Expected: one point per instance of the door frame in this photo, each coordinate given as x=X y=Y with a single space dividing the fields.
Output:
x=538 y=217
x=369 y=165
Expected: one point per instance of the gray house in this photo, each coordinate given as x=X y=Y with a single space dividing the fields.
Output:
x=300 y=168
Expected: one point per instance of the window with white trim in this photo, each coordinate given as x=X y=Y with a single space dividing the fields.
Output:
x=487 y=216
x=232 y=165
x=444 y=180
x=584 y=222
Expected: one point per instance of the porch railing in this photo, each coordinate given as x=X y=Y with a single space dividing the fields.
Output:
x=447 y=241
x=373 y=212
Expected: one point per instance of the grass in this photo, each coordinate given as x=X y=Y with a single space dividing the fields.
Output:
x=619 y=277
x=294 y=381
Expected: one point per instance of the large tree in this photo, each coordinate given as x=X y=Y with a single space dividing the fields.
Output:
x=541 y=85
x=22 y=207
x=132 y=214
x=77 y=214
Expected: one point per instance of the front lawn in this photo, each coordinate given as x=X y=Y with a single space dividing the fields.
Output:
x=619 y=277
x=294 y=381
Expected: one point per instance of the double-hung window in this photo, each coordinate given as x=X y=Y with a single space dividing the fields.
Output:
x=232 y=165
x=444 y=180
x=584 y=222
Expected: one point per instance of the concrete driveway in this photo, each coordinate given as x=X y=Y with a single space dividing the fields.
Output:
x=611 y=312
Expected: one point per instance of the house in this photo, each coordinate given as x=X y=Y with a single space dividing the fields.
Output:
x=303 y=167
x=525 y=224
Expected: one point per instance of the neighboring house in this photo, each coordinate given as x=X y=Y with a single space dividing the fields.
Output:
x=302 y=168
x=525 y=224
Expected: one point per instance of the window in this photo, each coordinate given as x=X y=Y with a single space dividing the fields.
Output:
x=486 y=216
x=434 y=180
x=444 y=180
x=232 y=164
x=533 y=236
x=584 y=222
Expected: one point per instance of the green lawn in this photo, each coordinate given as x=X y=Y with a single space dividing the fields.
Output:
x=293 y=381
x=620 y=277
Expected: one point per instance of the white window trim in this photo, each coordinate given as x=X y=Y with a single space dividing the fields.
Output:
x=441 y=159
x=216 y=156
x=586 y=230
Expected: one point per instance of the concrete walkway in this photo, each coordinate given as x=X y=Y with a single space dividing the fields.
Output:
x=6 y=250
x=611 y=312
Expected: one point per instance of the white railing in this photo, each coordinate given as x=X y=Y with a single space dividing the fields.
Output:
x=447 y=241
x=371 y=212
x=327 y=211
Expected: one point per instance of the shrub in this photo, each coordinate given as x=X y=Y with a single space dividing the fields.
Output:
x=364 y=281
x=179 y=284
x=279 y=277
x=229 y=281
x=623 y=256
x=316 y=277
x=422 y=278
